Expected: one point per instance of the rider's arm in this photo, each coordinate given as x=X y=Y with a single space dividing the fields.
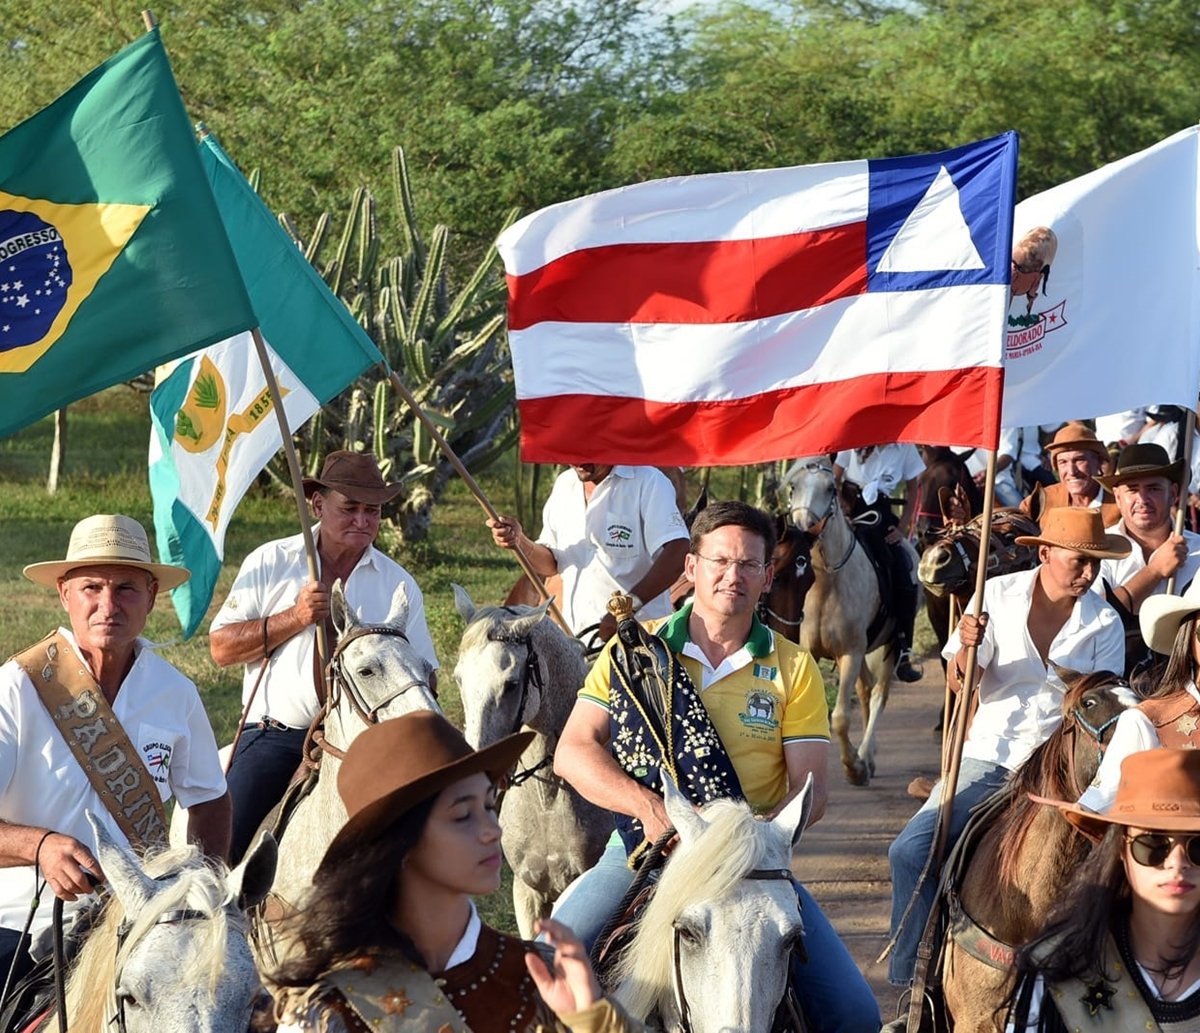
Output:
x=664 y=572
x=242 y=641
x=803 y=758
x=508 y=534
x=61 y=858
x=583 y=758
x=210 y=826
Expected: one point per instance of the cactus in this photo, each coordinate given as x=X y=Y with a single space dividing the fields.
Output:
x=449 y=349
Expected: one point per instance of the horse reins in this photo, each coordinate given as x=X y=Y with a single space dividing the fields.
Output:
x=1095 y=732
x=531 y=674
x=823 y=519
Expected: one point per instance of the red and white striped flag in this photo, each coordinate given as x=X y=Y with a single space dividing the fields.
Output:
x=748 y=316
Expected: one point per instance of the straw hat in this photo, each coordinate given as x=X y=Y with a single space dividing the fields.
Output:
x=396 y=764
x=1138 y=461
x=1075 y=437
x=1159 y=790
x=1161 y=615
x=1080 y=529
x=107 y=540
x=356 y=476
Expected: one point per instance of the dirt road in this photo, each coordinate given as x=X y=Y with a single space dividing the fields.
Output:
x=844 y=856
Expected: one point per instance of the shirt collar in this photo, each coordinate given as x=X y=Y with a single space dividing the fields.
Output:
x=674 y=632
x=465 y=950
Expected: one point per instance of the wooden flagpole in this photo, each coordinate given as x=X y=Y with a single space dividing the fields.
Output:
x=1185 y=481
x=403 y=391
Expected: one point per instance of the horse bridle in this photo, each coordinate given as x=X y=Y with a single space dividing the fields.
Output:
x=1095 y=732
x=531 y=674
x=823 y=519
x=681 y=1004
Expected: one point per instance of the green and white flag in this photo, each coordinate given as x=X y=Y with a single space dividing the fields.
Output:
x=214 y=425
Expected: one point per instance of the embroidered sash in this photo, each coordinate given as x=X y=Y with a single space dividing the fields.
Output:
x=99 y=744
x=658 y=722
x=398 y=997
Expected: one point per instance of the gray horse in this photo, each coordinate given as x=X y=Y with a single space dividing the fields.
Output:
x=516 y=668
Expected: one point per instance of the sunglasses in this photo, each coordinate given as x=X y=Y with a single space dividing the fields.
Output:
x=1151 y=849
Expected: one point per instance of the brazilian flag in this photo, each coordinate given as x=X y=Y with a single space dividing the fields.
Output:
x=113 y=256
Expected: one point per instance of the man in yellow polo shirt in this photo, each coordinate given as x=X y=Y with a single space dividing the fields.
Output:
x=766 y=701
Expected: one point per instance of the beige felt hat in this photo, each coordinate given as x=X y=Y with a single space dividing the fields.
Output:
x=1075 y=437
x=107 y=540
x=1080 y=529
x=1161 y=615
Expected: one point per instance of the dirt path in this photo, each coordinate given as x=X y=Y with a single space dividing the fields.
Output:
x=844 y=857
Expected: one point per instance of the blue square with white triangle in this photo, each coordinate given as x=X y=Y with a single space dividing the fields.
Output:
x=944 y=219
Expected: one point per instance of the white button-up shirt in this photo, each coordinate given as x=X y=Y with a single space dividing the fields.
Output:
x=610 y=541
x=1118 y=571
x=881 y=472
x=1020 y=698
x=269 y=581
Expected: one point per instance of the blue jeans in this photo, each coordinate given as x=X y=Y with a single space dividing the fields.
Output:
x=9 y=940
x=977 y=780
x=262 y=767
x=833 y=993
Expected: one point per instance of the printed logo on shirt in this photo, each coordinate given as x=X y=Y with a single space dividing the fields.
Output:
x=767 y=673
x=157 y=755
x=759 y=712
x=620 y=536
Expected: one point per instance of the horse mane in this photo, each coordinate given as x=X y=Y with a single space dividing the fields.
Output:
x=187 y=881
x=1045 y=773
x=488 y=624
x=707 y=868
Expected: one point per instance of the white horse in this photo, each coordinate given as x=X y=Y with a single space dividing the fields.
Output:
x=517 y=668
x=712 y=949
x=170 y=954
x=840 y=609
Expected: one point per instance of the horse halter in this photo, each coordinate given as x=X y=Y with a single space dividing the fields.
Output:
x=1095 y=733
x=823 y=520
x=343 y=680
x=681 y=1004
x=531 y=674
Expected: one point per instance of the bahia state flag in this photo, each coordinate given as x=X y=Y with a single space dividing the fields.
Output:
x=749 y=316
x=214 y=427
x=113 y=258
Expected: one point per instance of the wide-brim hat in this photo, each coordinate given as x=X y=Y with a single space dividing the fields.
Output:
x=356 y=476
x=108 y=540
x=1159 y=790
x=396 y=764
x=1075 y=437
x=1138 y=461
x=1161 y=616
x=1080 y=529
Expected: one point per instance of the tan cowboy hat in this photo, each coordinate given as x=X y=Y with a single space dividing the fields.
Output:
x=1075 y=437
x=356 y=476
x=1161 y=615
x=1138 y=461
x=396 y=764
x=1159 y=790
x=1080 y=529
x=107 y=540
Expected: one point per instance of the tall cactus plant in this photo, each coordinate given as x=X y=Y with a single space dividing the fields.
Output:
x=449 y=348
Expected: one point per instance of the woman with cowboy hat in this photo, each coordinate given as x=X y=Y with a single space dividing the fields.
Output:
x=1122 y=950
x=390 y=939
x=1171 y=715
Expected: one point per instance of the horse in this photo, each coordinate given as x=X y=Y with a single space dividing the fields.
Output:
x=1020 y=862
x=517 y=668
x=713 y=946
x=170 y=952
x=843 y=621
x=782 y=609
x=949 y=563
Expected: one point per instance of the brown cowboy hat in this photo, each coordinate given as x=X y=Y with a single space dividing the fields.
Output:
x=356 y=476
x=107 y=540
x=1159 y=790
x=1138 y=461
x=1075 y=437
x=1080 y=529
x=396 y=764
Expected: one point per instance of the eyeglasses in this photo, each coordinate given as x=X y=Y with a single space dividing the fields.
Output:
x=719 y=564
x=1151 y=849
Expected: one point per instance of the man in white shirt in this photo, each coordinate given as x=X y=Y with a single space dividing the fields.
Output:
x=606 y=529
x=120 y=693
x=270 y=618
x=1029 y=619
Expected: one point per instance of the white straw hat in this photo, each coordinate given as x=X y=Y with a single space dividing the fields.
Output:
x=107 y=540
x=1161 y=615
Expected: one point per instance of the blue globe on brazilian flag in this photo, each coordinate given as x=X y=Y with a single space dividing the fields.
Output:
x=113 y=256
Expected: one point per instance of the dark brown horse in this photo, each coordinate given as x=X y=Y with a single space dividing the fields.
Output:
x=1021 y=858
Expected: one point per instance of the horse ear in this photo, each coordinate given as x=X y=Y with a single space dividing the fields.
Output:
x=701 y=503
x=251 y=880
x=463 y=603
x=523 y=626
x=131 y=885
x=343 y=616
x=397 y=616
x=793 y=819
x=1067 y=675
x=683 y=815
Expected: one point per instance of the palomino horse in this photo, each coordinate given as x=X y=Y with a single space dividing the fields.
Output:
x=841 y=610
x=949 y=564
x=1021 y=860
x=517 y=668
x=170 y=953
x=713 y=945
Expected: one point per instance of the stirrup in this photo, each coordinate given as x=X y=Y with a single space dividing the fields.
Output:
x=906 y=670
